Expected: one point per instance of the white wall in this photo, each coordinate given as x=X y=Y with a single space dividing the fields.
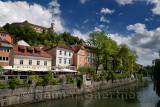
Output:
x=63 y=56
x=17 y=58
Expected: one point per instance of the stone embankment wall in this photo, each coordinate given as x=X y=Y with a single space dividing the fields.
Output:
x=42 y=93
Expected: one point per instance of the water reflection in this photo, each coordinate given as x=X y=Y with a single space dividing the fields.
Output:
x=140 y=94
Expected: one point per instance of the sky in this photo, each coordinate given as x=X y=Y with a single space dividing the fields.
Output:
x=134 y=22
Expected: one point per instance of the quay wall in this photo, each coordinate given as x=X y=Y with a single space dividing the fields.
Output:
x=32 y=94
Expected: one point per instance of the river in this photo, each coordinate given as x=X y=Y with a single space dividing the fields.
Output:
x=140 y=94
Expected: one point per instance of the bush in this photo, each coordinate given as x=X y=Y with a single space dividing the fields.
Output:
x=14 y=82
x=70 y=79
x=79 y=82
x=3 y=85
x=47 y=78
x=96 y=77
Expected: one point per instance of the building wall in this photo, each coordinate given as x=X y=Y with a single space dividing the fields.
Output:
x=75 y=60
x=90 y=58
x=82 y=58
x=17 y=58
x=5 y=54
x=67 y=57
x=52 y=52
x=8 y=37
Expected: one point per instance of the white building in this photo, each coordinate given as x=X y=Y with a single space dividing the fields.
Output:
x=27 y=57
x=62 y=56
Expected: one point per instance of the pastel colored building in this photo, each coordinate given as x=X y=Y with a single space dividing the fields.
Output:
x=30 y=58
x=6 y=44
x=80 y=56
x=62 y=56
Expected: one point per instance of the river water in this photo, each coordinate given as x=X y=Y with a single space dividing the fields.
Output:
x=140 y=94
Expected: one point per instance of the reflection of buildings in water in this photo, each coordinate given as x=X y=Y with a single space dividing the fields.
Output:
x=158 y=103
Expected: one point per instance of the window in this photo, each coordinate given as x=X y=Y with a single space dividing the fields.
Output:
x=69 y=53
x=4 y=35
x=65 y=61
x=6 y=58
x=65 y=53
x=69 y=61
x=60 y=52
x=7 y=50
x=38 y=52
x=38 y=62
x=0 y=58
x=30 y=62
x=45 y=63
x=60 y=60
x=80 y=58
x=84 y=59
x=88 y=60
x=21 y=50
x=80 y=65
x=21 y=62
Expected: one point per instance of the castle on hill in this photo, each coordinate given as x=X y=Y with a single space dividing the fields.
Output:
x=38 y=28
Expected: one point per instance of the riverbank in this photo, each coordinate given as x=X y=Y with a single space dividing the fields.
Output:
x=34 y=94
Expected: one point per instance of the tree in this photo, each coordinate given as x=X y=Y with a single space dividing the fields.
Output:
x=1 y=69
x=95 y=42
x=156 y=73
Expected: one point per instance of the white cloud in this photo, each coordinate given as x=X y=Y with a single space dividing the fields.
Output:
x=106 y=11
x=20 y=11
x=102 y=19
x=138 y=27
x=146 y=55
x=97 y=29
x=55 y=7
x=77 y=33
x=156 y=8
x=85 y=21
x=83 y=1
x=123 y=2
x=101 y=26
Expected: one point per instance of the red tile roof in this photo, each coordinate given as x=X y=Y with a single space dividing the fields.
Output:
x=58 y=45
x=42 y=53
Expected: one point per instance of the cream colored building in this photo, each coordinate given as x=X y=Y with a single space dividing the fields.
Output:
x=30 y=58
x=62 y=56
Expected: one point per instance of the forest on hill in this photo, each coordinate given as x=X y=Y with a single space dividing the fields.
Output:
x=32 y=37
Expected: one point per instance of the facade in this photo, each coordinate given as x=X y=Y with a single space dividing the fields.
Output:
x=62 y=56
x=80 y=56
x=38 y=29
x=6 y=44
x=30 y=58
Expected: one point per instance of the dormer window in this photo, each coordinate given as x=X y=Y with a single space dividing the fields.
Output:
x=21 y=49
x=37 y=51
x=30 y=50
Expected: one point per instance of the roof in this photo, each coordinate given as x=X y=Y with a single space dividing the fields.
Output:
x=42 y=53
x=59 y=46
x=77 y=47
x=22 y=42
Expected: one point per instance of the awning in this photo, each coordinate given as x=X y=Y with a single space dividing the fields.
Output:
x=63 y=70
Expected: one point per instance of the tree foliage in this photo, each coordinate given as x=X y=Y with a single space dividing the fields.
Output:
x=111 y=55
x=28 y=34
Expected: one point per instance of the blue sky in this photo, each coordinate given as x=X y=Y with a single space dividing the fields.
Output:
x=134 y=22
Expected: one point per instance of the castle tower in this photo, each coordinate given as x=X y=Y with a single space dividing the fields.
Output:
x=52 y=26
